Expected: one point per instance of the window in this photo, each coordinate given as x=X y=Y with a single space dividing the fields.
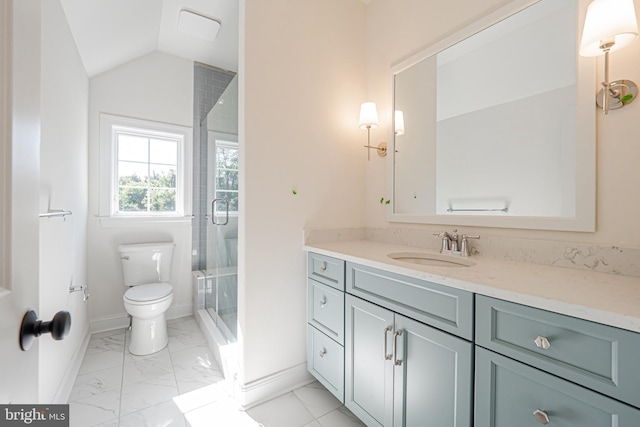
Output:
x=144 y=168
x=227 y=175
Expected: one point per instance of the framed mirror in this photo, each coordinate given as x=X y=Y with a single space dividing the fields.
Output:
x=495 y=125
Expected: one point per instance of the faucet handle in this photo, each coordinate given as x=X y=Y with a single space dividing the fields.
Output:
x=464 y=246
x=467 y=236
x=446 y=240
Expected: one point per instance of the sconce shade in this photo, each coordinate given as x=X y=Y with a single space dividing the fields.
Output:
x=611 y=21
x=368 y=115
x=399 y=123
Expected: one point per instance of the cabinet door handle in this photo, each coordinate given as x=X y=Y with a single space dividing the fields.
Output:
x=541 y=416
x=542 y=342
x=323 y=303
x=322 y=353
x=384 y=348
x=397 y=362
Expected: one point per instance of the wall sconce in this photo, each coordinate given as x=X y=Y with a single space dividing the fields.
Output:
x=399 y=123
x=609 y=26
x=368 y=120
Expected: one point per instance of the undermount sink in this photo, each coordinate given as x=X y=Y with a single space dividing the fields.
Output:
x=433 y=260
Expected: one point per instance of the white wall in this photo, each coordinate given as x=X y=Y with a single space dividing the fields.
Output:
x=397 y=29
x=156 y=87
x=63 y=185
x=300 y=89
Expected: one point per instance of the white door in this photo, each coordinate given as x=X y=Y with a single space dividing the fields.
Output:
x=19 y=189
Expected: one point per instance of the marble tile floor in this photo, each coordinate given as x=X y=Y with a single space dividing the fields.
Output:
x=182 y=386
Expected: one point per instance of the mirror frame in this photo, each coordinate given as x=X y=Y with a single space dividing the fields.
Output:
x=585 y=214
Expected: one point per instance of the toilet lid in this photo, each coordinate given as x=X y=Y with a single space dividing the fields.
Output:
x=149 y=292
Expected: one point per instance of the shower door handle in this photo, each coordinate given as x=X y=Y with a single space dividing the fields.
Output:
x=213 y=212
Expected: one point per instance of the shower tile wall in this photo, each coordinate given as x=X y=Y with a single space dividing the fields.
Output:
x=209 y=85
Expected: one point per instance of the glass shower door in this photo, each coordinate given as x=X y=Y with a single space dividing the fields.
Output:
x=222 y=233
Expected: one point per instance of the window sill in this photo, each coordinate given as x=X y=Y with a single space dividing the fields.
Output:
x=127 y=222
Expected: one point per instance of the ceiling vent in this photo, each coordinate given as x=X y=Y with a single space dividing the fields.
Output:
x=197 y=25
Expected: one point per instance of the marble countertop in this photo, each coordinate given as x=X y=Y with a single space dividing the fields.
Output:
x=600 y=297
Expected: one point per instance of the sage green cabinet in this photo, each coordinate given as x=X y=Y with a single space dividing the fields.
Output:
x=443 y=307
x=599 y=357
x=400 y=372
x=512 y=394
x=325 y=322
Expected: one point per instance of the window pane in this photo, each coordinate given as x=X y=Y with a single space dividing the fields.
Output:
x=163 y=200
x=231 y=196
x=226 y=179
x=163 y=151
x=163 y=176
x=132 y=199
x=130 y=173
x=133 y=148
x=227 y=158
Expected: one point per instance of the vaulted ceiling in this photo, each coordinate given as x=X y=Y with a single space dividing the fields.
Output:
x=109 y=33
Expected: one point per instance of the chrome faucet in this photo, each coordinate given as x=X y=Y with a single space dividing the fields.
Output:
x=454 y=244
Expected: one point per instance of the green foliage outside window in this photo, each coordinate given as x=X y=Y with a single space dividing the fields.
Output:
x=136 y=194
x=227 y=177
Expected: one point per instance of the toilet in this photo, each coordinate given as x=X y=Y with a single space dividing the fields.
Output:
x=147 y=270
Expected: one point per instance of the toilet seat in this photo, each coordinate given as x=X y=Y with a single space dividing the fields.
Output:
x=150 y=293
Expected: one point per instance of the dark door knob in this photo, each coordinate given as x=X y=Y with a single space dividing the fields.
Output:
x=32 y=328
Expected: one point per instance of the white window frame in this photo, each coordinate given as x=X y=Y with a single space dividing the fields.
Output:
x=223 y=140
x=110 y=126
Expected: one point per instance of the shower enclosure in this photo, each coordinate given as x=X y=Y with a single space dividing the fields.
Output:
x=215 y=228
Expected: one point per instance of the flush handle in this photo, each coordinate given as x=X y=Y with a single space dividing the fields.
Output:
x=32 y=327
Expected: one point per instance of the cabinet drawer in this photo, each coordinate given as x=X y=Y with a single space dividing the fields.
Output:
x=445 y=308
x=599 y=357
x=325 y=309
x=327 y=270
x=325 y=361
x=508 y=393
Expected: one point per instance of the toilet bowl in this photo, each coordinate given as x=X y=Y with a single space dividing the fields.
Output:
x=146 y=270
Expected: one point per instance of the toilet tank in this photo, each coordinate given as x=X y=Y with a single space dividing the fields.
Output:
x=144 y=263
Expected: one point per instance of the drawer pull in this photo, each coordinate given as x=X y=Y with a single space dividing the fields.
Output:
x=398 y=362
x=541 y=416
x=323 y=303
x=323 y=268
x=384 y=349
x=542 y=342
x=322 y=353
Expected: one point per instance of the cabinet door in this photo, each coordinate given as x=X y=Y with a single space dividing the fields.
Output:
x=433 y=375
x=509 y=393
x=368 y=374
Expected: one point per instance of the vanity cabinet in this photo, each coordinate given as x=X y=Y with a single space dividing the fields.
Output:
x=400 y=372
x=596 y=374
x=401 y=367
x=325 y=322
x=401 y=351
x=510 y=393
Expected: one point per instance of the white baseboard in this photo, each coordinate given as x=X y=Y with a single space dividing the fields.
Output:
x=64 y=389
x=267 y=388
x=121 y=320
x=109 y=323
